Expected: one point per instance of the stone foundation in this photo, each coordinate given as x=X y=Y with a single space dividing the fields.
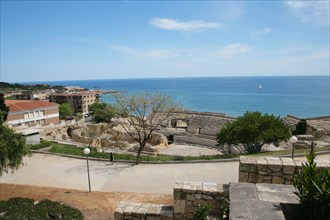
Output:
x=188 y=197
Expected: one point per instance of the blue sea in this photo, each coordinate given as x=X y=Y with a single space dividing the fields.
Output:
x=302 y=96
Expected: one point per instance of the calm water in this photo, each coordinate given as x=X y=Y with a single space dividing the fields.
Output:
x=303 y=96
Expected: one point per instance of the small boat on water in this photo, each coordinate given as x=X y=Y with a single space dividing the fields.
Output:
x=260 y=86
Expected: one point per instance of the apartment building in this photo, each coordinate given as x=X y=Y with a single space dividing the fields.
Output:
x=80 y=102
x=30 y=113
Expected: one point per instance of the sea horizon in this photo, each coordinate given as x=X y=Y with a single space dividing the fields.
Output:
x=302 y=96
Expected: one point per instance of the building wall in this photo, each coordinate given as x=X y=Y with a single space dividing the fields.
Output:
x=79 y=102
x=33 y=117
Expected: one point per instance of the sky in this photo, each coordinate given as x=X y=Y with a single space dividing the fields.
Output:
x=81 y=40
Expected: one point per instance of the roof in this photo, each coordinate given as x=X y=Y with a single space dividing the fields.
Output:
x=24 y=105
x=75 y=93
x=30 y=131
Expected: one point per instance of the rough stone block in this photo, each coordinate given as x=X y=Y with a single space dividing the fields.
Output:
x=262 y=165
x=255 y=178
x=189 y=188
x=243 y=176
x=179 y=195
x=278 y=197
x=289 y=169
x=198 y=196
x=179 y=206
x=190 y=197
x=247 y=166
x=278 y=180
x=206 y=197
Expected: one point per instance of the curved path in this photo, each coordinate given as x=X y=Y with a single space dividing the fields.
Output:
x=62 y=172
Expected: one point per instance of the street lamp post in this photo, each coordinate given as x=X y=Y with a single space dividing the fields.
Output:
x=293 y=140
x=86 y=152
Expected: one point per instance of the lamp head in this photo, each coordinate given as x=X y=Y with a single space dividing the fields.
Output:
x=293 y=139
x=87 y=151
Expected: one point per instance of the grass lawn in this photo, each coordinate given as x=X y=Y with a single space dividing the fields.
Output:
x=73 y=150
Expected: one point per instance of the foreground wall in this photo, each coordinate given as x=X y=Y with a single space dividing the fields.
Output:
x=278 y=170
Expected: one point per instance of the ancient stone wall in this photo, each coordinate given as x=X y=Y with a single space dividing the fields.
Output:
x=204 y=123
x=188 y=197
x=277 y=170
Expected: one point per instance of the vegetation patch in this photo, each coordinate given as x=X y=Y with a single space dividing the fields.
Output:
x=26 y=208
x=43 y=144
x=72 y=150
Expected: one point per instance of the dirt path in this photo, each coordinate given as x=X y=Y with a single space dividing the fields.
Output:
x=94 y=205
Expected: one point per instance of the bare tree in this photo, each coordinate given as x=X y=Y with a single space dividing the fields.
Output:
x=145 y=113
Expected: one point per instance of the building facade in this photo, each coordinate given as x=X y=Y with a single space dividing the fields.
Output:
x=29 y=113
x=80 y=102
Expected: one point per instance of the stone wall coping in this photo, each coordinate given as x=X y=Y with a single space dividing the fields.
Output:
x=206 y=188
x=143 y=210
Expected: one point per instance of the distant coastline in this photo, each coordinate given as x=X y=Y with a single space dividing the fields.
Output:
x=302 y=96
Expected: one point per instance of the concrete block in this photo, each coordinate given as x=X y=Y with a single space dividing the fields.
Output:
x=242 y=191
x=266 y=210
x=240 y=210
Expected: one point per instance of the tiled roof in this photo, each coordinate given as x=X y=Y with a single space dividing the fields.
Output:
x=24 y=105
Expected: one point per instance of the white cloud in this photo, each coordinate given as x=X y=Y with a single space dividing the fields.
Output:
x=316 y=12
x=231 y=50
x=189 y=26
x=264 y=31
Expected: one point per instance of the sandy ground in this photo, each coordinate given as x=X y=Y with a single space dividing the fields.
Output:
x=188 y=150
x=94 y=205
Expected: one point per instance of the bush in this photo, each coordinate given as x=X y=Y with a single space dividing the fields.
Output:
x=25 y=208
x=43 y=144
x=313 y=187
x=202 y=212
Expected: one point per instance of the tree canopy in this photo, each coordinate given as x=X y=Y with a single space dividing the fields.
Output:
x=253 y=130
x=65 y=110
x=3 y=109
x=102 y=112
x=12 y=145
x=143 y=111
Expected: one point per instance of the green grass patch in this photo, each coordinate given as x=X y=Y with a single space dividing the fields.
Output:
x=25 y=208
x=72 y=150
x=289 y=151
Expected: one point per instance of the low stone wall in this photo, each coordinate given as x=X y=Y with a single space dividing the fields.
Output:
x=277 y=170
x=126 y=210
x=195 y=140
x=189 y=196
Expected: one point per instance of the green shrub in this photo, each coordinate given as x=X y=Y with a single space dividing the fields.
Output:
x=43 y=144
x=25 y=208
x=313 y=187
x=202 y=212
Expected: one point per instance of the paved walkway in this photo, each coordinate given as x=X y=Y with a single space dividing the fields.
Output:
x=55 y=171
